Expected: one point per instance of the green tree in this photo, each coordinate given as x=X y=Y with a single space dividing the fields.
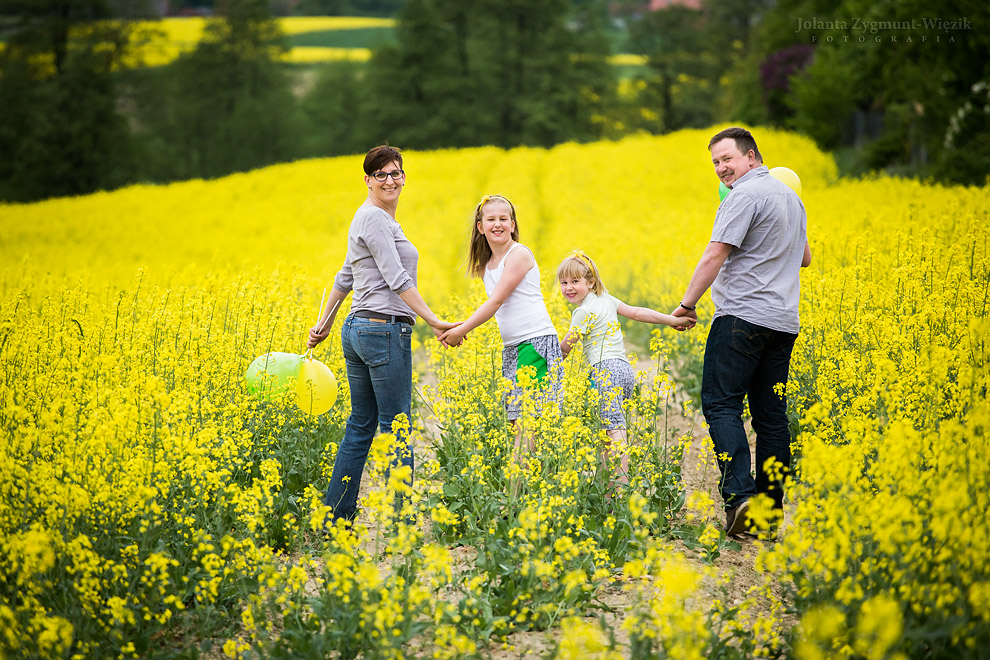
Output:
x=347 y=7
x=424 y=92
x=492 y=72
x=323 y=7
x=334 y=112
x=914 y=70
x=226 y=106
x=61 y=132
x=544 y=72
x=683 y=72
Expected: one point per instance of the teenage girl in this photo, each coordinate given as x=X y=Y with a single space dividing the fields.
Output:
x=512 y=282
x=595 y=323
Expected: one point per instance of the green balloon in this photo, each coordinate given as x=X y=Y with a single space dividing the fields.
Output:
x=723 y=190
x=272 y=374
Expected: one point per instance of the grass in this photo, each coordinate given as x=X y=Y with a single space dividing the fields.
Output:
x=359 y=38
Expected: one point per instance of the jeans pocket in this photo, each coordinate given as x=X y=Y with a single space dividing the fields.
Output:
x=405 y=336
x=747 y=337
x=373 y=347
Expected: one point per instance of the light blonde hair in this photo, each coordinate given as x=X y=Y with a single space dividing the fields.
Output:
x=578 y=264
x=479 y=252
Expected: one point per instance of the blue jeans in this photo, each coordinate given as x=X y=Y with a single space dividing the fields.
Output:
x=379 y=371
x=743 y=359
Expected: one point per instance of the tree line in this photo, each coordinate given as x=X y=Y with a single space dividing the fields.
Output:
x=886 y=85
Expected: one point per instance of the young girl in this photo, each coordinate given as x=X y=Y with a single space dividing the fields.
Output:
x=596 y=324
x=512 y=282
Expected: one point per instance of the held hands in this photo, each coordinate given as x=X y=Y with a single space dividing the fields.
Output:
x=439 y=329
x=443 y=329
x=454 y=336
x=687 y=318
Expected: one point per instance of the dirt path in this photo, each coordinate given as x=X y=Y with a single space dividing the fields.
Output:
x=699 y=473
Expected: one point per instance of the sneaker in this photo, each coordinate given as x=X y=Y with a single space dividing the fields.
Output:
x=735 y=519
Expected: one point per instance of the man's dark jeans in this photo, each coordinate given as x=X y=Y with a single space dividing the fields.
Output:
x=743 y=359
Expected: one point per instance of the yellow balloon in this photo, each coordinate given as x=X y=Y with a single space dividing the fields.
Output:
x=316 y=389
x=787 y=175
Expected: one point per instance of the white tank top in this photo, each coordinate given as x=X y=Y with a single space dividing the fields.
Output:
x=523 y=315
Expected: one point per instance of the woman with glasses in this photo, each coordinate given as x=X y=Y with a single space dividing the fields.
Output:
x=380 y=269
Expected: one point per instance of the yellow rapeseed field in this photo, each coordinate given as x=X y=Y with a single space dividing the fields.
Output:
x=164 y=40
x=161 y=42
x=150 y=506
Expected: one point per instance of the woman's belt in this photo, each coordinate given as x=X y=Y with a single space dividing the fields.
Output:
x=383 y=318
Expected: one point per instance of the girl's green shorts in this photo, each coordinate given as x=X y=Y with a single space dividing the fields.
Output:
x=528 y=357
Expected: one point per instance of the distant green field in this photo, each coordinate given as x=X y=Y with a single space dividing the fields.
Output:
x=359 y=38
x=186 y=32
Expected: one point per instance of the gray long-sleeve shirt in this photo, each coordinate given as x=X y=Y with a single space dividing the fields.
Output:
x=380 y=263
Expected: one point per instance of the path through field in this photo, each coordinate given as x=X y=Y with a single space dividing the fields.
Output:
x=699 y=474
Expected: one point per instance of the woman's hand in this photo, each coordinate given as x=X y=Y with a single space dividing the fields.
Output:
x=321 y=330
x=453 y=336
x=316 y=336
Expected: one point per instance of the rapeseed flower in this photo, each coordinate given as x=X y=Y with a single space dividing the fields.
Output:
x=141 y=487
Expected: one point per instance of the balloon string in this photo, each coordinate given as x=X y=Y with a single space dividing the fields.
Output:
x=309 y=353
x=319 y=311
x=322 y=325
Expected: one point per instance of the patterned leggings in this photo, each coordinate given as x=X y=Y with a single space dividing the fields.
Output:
x=614 y=379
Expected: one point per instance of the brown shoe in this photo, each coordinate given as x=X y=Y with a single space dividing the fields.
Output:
x=735 y=519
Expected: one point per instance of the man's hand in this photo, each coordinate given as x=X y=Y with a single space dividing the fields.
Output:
x=687 y=322
x=441 y=327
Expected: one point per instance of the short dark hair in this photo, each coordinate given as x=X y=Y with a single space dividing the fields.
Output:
x=744 y=141
x=381 y=156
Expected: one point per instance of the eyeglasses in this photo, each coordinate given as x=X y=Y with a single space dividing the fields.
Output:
x=383 y=176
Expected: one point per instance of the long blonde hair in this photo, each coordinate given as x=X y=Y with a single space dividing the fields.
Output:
x=479 y=252
x=578 y=264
